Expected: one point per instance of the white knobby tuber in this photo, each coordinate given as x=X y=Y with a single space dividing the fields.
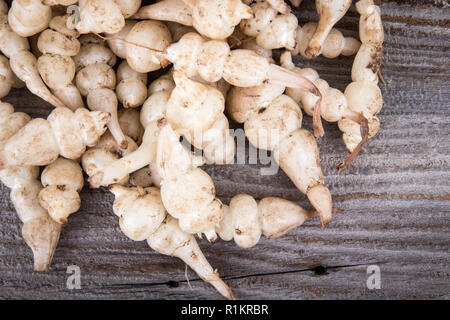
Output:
x=8 y=79
x=216 y=19
x=275 y=125
x=58 y=45
x=128 y=7
x=245 y=219
x=64 y=133
x=334 y=44
x=355 y=107
x=131 y=89
x=96 y=79
x=152 y=37
x=240 y=67
x=22 y=62
x=271 y=30
x=62 y=181
x=363 y=94
x=167 y=10
x=115 y=40
x=143 y=217
x=98 y=16
x=170 y=240
x=39 y=231
x=188 y=192
x=330 y=12
x=196 y=110
x=28 y=17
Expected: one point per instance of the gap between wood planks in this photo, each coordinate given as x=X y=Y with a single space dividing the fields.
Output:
x=318 y=270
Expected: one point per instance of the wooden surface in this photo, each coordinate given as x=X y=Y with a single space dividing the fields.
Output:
x=393 y=202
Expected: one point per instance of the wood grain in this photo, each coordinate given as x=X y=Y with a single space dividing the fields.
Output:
x=393 y=201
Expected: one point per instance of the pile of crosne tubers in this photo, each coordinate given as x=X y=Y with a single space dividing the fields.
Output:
x=220 y=53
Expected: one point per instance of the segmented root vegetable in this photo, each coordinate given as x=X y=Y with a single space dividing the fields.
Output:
x=169 y=239
x=275 y=125
x=64 y=133
x=93 y=52
x=192 y=106
x=153 y=118
x=98 y=16
x=272 y=30
x=96 y=80
x=128 y=7
x=167 y=10
x=216 y=19
x=148 y=34
x=22 y=62
x=330 y=12
x=118 y=46
x=28 y=17
x=193 y=56
x=363 y=94
x=62 y=181
x=334 y=44
x=146 y=153
x=245 y=219
x=352 y=106
x=143 y=217
x=105 y=152
x=8 y=79
x=58 y=45
x=39 y=231
x=104 y=99
x=188 y=192
x=131 y=89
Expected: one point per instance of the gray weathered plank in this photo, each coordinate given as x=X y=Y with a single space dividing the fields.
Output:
x=393 y=201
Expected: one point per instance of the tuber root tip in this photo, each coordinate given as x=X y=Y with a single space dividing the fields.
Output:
x=364 y=127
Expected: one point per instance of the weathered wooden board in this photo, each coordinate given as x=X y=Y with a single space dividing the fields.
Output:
x=393 y=201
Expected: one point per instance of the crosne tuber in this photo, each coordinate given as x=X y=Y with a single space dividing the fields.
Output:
x=39 y=231
x=214 y=19
x=279 y=5
x=330 y=12
x=107 y=151
x=131 y=89
x=188 y=193
x=64 y=133
x=275 y=125
x=62 y=181
x=118 y=46
x=153 y=118
x=334 y=44
x=98 y=16
x=147 y=34
x=354 y=105
x=143 y=217
x=167 y=10
x=192 y=55
x=245 y=219
x=96 y=80
x=271 y=30
x=22 y=62
x=8 y=79
x=58 y=45
x=29 y=17
x=363 y=94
